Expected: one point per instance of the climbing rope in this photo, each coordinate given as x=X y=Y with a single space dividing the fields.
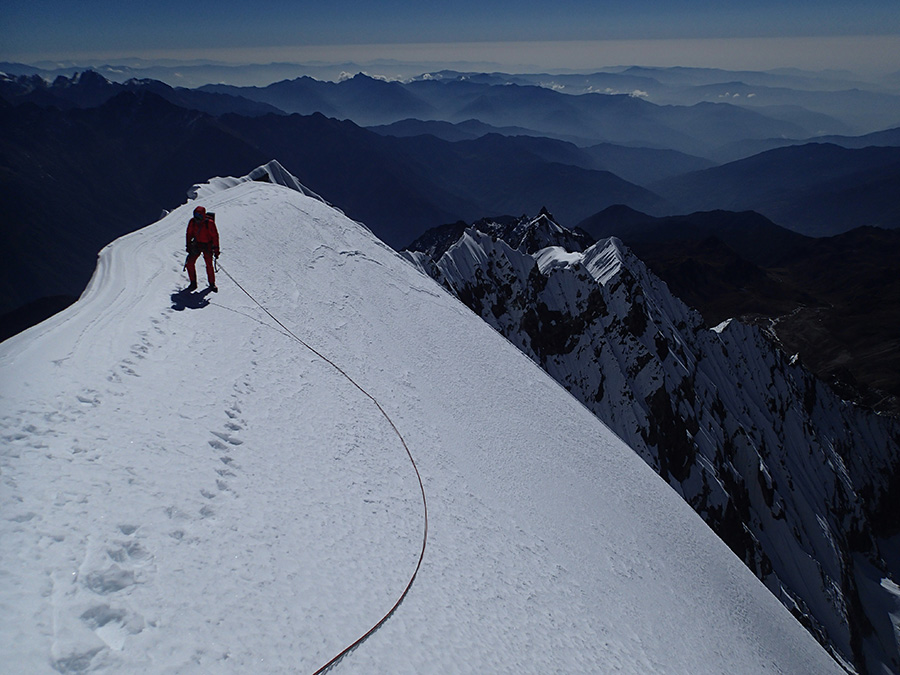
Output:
x=409 y=584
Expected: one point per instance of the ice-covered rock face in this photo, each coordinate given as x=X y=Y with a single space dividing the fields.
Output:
x=789 y=476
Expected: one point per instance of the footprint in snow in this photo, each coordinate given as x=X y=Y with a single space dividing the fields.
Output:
x=78 y=662
x=228 y=438
x=129 y=552
x=140 y=350
x=110 y=580
x=126 y=368
x=23 y=518
x=113 y=625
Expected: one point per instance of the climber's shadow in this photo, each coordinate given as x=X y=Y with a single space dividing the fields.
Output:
x=184 y=299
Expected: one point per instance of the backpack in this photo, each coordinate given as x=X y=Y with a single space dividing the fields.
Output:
x=205 y=223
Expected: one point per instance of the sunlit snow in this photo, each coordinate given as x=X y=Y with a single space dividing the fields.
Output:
x=186 y=488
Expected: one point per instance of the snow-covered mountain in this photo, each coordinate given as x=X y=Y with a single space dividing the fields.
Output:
x=802 y=486
x=219 y=483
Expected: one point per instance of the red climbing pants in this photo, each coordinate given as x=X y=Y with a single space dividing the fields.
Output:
x=208 y=258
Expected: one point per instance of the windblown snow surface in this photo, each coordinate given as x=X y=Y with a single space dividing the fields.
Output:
x=186 y=488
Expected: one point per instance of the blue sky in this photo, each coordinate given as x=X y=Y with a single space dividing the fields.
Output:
x=242 y=31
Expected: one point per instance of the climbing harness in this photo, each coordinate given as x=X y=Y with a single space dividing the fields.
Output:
x=412 y=578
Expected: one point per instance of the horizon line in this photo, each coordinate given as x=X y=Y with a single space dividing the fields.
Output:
x=867 y=53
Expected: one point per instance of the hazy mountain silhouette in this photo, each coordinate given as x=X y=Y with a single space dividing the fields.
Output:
x=696 y=129
x=757 y=238
x=448 y=131
x=816 y=189
x=90 y=89
x=821 y=102
x=363 y=99
x=743 y=149
x=641 y=166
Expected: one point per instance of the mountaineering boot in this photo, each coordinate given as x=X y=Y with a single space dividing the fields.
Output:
x=192 y=287
x=214 y=288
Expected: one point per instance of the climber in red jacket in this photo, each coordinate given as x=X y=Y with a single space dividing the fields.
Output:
x=202 y=237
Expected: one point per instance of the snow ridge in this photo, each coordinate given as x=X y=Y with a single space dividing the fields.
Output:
x=272 y=172
x=185 y=490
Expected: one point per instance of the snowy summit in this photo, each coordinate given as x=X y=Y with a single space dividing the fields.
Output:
x=219 y=483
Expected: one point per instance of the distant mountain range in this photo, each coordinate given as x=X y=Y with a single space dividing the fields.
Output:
x=823 y=102
x=821 y=189
x=89 y=89
x=707 y=113
x=641 y=166
x=589 y=118
x=820 y=102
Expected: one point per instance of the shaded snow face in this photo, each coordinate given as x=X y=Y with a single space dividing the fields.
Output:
x=791 y=478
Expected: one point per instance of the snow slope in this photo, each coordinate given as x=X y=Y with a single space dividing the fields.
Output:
x=186 y=488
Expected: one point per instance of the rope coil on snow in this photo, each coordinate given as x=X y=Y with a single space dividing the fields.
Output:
x=409 y=584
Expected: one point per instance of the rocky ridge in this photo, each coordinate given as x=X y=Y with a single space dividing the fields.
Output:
x=798 y=483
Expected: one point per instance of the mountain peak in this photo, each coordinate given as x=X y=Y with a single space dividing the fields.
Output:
x=272 y=172
x=85 y=78
x=525 y=233
x=605 y=259
x=89 y=78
